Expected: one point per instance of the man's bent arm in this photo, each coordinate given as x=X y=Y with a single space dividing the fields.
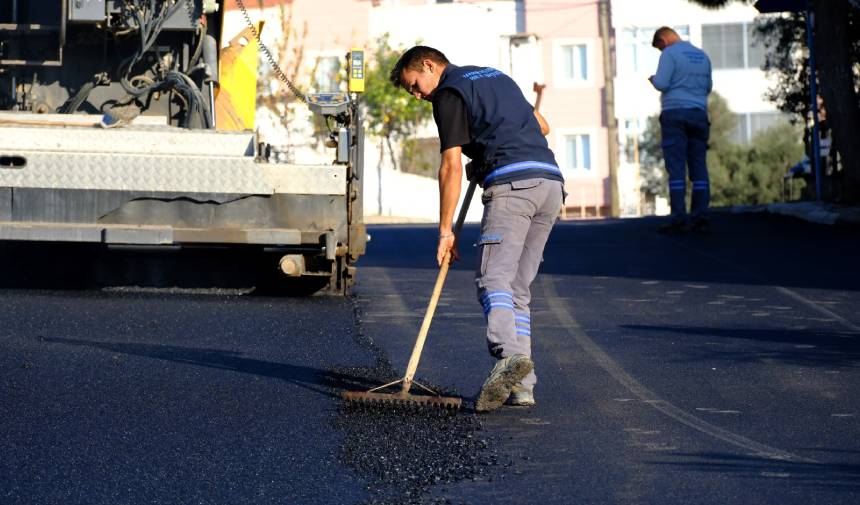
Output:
x=450 y=176
x=544 y=126
x=663 y=78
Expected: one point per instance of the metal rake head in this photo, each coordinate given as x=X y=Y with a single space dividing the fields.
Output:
x=403 y=399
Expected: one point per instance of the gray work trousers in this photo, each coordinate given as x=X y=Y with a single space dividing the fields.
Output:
x=518 y=217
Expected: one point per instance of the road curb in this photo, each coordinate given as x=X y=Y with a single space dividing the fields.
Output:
x=813 y=212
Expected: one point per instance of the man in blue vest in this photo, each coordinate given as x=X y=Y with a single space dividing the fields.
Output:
x=481 y=112
x=684 y=79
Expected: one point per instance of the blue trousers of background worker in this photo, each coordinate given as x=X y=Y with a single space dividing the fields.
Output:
x=685 y=145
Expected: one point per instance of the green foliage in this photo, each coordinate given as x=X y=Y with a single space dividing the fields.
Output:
x=420 y=156
x=754 y=174
x=740 y=174
x=837 y=27
x=652 y=170
x=787 y=56
x=787 y=62
x=392 y=114
x=723 y=120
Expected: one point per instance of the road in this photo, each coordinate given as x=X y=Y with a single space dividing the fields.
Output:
x=717 y=368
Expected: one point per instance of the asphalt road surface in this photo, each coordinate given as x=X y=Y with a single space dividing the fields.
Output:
x=716 y=368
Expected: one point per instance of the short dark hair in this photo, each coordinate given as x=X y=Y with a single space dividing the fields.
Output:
x=660 y=33
x=412 y=59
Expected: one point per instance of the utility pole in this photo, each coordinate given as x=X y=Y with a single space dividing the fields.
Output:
x=609 y=104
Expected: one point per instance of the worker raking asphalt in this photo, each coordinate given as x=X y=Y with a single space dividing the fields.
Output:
x=403 y=450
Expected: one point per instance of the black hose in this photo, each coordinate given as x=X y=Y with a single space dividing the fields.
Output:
x=72 y=104
x=149 y=25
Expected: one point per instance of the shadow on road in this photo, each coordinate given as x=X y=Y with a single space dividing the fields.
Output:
x=323 y=382
x=72 y=266
x=811 y=348
x=738 y=249
x=823 y=475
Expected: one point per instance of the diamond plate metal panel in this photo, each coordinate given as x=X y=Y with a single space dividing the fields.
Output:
x=177 y=174
x=138 y=173
x=147 y=140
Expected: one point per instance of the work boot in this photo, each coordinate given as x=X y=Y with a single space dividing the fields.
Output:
x=521 y=396
x=700 y=224
x=673 y=228
x=504 y=376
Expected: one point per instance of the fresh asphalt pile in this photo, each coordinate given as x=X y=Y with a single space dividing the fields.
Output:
x=401 y=450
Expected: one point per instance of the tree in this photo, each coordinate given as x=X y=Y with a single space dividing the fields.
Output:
x=392 y=115
x=787 y=61
x=651 y=168
x=273 y=94
x=752 y=175
x=837 y=44
x=287 y=115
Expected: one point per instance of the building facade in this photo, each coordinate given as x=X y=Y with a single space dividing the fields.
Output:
x=553 y=43
x=573 y=71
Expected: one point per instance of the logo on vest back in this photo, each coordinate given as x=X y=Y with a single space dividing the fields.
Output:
x=481 y=74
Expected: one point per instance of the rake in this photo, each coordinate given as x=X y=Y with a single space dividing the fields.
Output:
x=404 y=397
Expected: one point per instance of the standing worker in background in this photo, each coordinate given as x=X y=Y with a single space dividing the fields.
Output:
x=480 y=112
x=684 y=79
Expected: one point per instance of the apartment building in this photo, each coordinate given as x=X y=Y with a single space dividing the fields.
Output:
x=549 y=42
x=573 y=71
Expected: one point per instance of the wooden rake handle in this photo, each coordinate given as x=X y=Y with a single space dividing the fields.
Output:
x=434 y=298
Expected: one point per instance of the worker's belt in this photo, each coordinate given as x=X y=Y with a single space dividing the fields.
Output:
x=520 y=166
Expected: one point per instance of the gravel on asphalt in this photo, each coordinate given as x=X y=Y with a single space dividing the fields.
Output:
x=403 y=450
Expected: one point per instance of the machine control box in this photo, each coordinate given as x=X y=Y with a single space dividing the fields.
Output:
x=328 y=104
x=356 y=71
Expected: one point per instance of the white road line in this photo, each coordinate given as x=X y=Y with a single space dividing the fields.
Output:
x=791 y=293
x=640 y=391
x=821 y=310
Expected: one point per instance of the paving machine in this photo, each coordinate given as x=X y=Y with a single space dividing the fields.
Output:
x=111 y=133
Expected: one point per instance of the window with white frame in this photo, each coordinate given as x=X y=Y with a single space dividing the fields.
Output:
x=756 y=51
x=750 y=124
x=574 y=62
x=577 y=149
x=636 y=54
x=732 y=45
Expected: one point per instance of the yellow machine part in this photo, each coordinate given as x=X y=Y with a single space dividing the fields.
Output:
x=236 y=97
x=356 y=70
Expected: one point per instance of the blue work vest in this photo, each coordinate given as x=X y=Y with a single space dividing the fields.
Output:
x=506 y=143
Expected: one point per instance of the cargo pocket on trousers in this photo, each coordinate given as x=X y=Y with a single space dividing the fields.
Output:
x=518 y=202
x=487 y=243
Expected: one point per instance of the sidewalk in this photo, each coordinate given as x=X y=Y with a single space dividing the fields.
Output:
x=396 y=220
x=813 y=212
